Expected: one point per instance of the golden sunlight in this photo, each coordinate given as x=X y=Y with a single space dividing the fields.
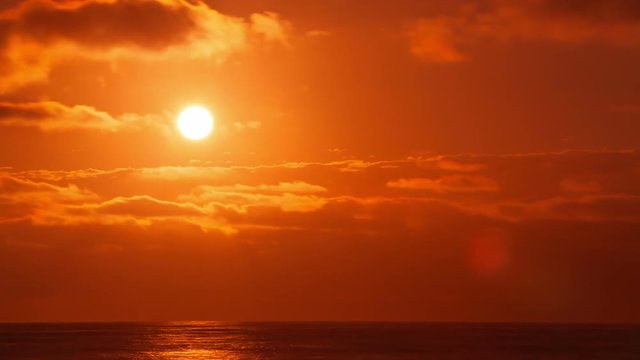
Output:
x=195 y=123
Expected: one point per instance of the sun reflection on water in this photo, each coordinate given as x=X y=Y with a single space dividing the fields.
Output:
x=194 y=354
x=198 y=340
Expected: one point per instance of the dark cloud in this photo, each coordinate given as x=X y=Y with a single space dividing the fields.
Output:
x=54 y=116
x=142 y=23
x=23 y=111
x=445 y=38
x=37 y=34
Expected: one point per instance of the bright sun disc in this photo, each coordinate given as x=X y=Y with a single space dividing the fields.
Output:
x=195 y=123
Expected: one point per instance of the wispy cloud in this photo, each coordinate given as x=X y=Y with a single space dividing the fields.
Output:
x=54 y=116
x=453 y=183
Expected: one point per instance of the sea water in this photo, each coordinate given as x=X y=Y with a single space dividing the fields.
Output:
x=225 y=340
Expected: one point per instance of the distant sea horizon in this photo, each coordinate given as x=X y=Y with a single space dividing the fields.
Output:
x=317 y=340
x=435 y=322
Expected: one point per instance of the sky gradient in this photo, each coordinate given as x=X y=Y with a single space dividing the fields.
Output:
x=415 y=160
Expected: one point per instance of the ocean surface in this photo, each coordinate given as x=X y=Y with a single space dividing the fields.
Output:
x=221 y=340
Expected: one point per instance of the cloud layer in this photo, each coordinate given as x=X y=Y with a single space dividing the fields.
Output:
x=446 y=38
x=540 y=186
x=37 y=34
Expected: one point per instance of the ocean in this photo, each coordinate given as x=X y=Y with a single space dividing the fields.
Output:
x=224 y=340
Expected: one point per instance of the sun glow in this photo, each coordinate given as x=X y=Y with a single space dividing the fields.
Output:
x=195 y=123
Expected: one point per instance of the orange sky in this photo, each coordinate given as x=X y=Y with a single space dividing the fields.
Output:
x=414 y=160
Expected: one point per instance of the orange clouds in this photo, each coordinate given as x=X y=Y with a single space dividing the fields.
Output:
x=53 y=116
x=146 y=206
x=23 y=199
x=40 y=33
x=285 y=196
x=454 y=183
x=22 y=190
x=230 y=198
x=138 y=210
x=448 y=164
x=49 y=204
x=271 y=27
x=445 y=38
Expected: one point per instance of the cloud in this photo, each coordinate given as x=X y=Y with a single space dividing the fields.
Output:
x=453 y=183
x=452 y=165
x=54 y=116
x=22 y=199
x=446 y=38
x=204 y=206
x=37 y=34
x=371 y=197
x=53 y=205
x=141 y=210
x=296 y=187
x=144 y=206
x=271 y=26
x=60 y=175
x=288 y=197
x=21 y=190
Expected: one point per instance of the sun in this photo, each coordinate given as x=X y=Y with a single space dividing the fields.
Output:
x=195 y=123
